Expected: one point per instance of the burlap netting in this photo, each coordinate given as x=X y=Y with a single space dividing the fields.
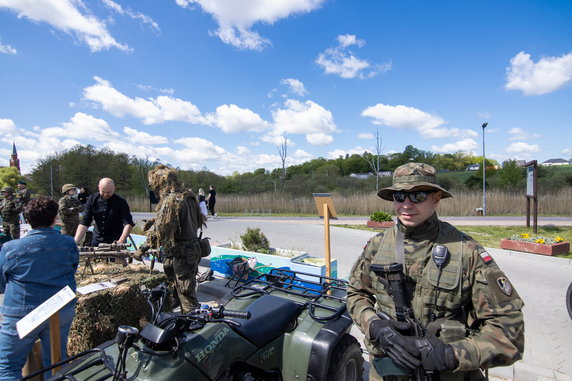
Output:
x=99 y=314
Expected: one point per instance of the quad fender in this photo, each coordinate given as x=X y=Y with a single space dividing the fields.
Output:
x=324 y=344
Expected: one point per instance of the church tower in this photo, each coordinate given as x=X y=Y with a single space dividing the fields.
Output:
x=14 y=161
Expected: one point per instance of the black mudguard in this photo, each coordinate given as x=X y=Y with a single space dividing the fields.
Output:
x=324 y=345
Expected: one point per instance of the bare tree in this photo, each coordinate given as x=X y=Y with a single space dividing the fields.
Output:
x=283 y=152
x=374 y=159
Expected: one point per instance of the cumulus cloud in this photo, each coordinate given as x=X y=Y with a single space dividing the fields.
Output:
x=134 y=15
x=520 y=134
x=7 y=49
x=522 y=148
x=236 y=18
x=461 y=145
x=340 y=60
x=428 y=125
x=82 y=126
x=67 y=16
x=150 y=111
x=277 y=140
x=295 y=86
x=233 y=119
x=359 y=150
x=545 y=76
x=307 y=118
x=365 y=135
x=142 y=137
x=7 y=127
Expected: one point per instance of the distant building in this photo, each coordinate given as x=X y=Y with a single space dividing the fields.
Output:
x=555 y=162
x=472 y=167
x=361 y=176
x=14 y=161
x=385 y=174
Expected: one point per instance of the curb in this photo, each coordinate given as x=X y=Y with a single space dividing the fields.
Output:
x=529 y=256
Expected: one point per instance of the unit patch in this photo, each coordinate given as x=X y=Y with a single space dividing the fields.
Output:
x=486 y=257
x=504 y=285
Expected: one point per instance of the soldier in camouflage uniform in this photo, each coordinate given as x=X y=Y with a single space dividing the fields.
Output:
x=10 y=208
x=69 y=208
x=174 y=231
x=24 y=194
x=469 y=307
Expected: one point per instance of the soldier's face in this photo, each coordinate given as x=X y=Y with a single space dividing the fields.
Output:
x=412 y=214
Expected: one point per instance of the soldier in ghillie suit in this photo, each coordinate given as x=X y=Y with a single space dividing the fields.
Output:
x=470 y=310
x=10 y=208
x=69 y=208
x=174 y=231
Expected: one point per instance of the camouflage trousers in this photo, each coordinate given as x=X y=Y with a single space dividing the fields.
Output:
x=11 y=229
x=69 y=228
x=181 y=270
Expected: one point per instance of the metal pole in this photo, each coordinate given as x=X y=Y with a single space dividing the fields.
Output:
x=484 y=174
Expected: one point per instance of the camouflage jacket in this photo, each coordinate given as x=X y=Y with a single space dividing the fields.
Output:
x=69 y=209
x=474 y=298
x=10 y=210
x=24 y=195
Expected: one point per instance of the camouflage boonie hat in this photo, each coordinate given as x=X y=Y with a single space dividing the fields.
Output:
x=413 y=177
x=67 y=187
x=7 y=189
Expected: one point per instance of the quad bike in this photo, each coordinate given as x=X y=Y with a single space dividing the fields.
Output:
x=283 y=326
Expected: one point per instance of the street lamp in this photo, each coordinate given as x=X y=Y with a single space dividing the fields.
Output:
x=484 y=173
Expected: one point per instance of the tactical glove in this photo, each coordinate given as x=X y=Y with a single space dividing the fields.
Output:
x=436 y=355
x=402 y=349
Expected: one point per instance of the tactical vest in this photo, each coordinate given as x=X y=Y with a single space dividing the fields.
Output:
x=427 y=291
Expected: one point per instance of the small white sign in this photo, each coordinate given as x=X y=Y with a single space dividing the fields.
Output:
x=95 y=287
x=44 y=311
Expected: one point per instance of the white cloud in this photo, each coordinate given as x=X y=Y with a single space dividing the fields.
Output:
x=233 y=119
x=365 y=135
x=276 y=140
x=296 y=86
x=522 y=148
x=520 y=134
x=236 y=18
x=135 y=15
x=7 y=49
x=142 y=137
x=197 y=150
x=66 y=16
x=359 y=150
x=428 y=125
x=301 y=156
x=461 y=145
x=307 y=118
x=82 y=126
x=567 y=151
x=341 y=61
x=151 y=110
x=547 y=75
x=7 y=127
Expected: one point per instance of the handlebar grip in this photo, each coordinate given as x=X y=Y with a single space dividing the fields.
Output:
x=236 y=314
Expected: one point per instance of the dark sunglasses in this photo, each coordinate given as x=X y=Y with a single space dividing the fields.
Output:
x=414 y=197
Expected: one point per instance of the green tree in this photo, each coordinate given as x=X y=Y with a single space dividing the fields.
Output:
x=9 y=176
x=511 y=175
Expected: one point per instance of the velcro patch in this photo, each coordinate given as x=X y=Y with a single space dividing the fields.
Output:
x=486 y=257
x=500 y=287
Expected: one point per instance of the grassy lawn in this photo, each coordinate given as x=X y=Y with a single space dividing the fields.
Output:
x=490 y=236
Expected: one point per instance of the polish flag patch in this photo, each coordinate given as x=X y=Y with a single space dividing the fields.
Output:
x=486 y=257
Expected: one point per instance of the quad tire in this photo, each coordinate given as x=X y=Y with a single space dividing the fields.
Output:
x=346 y=363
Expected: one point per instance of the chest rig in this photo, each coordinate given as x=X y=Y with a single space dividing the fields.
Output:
x=430 y=290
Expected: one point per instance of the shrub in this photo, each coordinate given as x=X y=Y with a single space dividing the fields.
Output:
x=254 y=240
x=380 y=216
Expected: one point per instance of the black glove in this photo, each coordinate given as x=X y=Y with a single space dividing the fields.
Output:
x=436 y=355
x=402 y=349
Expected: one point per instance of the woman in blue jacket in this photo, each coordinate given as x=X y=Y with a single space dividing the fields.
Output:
x=33 y=269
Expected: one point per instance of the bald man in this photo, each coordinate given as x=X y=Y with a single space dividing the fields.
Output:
x=113 y=220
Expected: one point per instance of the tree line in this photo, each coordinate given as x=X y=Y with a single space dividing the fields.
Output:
x=85 y=165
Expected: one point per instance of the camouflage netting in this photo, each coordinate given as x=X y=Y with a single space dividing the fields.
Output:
x=100 y=313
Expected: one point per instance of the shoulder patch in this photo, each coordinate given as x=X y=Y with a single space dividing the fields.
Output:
x=500 y=287
x=486 y=257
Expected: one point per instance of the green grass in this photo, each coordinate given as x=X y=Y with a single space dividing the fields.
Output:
x=490 y=236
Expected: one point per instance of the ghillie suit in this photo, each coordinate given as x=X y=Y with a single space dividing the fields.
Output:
x=174 y=231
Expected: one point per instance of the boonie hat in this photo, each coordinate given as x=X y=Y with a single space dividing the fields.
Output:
x=7 y=189
x=413 y=177
x=67 y=187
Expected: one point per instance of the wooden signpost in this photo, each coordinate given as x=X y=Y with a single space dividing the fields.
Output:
x=326 y=210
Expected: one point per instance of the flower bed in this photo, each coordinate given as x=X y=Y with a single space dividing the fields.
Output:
x=538 y=245
x=380 y=224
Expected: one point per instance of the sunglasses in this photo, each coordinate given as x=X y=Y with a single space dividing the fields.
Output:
x=414 y=197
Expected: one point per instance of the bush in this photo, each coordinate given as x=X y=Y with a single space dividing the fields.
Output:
x=255 y=240
x=380 y=216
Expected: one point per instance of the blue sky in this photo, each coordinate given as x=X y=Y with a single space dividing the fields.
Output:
x=221 y=84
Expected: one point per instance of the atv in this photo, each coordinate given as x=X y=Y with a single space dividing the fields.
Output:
x=282 y=326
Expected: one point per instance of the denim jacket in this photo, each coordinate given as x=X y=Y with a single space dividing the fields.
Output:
x=34 y=268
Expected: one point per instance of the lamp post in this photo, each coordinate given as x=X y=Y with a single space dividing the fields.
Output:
x=484 y=173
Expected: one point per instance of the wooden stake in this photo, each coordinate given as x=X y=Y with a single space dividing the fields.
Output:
x=327 y=239
x=55 y=340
